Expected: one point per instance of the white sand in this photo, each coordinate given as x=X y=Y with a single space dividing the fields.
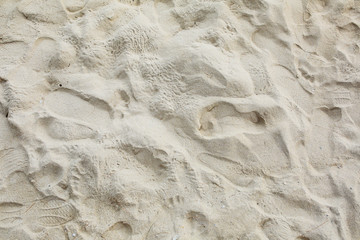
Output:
x=180 y=119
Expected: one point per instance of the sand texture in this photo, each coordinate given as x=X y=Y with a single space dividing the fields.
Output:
x=180 y=119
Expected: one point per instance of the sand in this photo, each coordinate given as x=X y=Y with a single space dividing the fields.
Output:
x=180 y=119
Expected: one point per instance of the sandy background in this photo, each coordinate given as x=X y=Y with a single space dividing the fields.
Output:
x=179 y=119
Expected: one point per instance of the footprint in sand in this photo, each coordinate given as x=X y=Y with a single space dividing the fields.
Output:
x=11 y=55
x=49 y=175
x=91 y=111
x=13 y=157
x=7 y=132
x=49 y=11
x=84 y=178
x=119 y=230
x=192 y=225
x=27 y=206
x=74 y=5
x=63 y=129
x=198 y=223
x=186 y=223
x=48 y=212
x=39 y=56
x=12 y=160
x=153 y=163
x=235 y=172
x=224 y=119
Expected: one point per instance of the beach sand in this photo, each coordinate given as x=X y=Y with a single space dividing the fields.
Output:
x=180 y=119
